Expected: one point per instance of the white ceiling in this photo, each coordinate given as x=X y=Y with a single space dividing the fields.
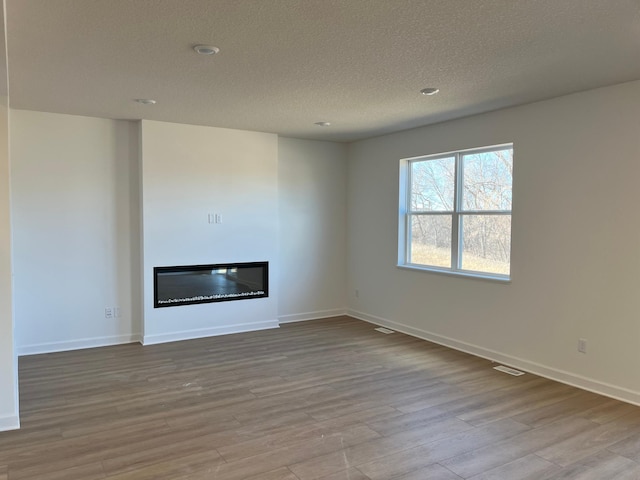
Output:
x=285 y=64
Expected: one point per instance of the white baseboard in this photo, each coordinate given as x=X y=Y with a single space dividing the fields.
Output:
x=208 y=332
x=11 y=422
x=302 y=317
x=585 y=383
x=77 y=344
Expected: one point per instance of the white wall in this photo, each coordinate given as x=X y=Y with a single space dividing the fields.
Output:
x=77 y=185
x=8 y=360
x=575 y=262
x=75 y=246
x=575 y=244
x=189 y=172
x=312 y=208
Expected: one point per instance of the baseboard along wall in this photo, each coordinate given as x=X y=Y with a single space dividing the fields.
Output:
x=208 y=332
x=11 y=422
x=79 y=344
x=584 y=383
x=302 y=317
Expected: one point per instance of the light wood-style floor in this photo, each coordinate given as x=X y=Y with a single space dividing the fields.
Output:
x=329 y=399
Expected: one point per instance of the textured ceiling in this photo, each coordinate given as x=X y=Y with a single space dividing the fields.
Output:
x=285 y=64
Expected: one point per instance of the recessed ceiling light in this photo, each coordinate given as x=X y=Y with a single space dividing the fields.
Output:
x=206 y=49
x=323 y=124
x=429 y=91
x=146 y=101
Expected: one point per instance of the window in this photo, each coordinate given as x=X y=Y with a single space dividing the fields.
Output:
x=455 y=212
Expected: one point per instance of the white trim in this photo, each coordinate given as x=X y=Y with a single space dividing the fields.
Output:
x=10 y=422
x=456 y=273
x=77 y=344
x=208 y=332
x=457 y=214
x=320 y=314
x=436 y=156
x=562 y=376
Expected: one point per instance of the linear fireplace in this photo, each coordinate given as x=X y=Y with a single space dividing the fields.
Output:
x=186 y=285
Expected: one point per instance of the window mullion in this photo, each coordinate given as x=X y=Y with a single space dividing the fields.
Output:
x=408 y=216
x=455 y=220
x=408 y=240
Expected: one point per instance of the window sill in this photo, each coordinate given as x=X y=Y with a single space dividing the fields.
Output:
x=453 y=273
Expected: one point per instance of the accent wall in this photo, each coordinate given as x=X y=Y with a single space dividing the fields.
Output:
x=189 y=173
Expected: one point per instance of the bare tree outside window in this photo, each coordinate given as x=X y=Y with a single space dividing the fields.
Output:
x=458 y=212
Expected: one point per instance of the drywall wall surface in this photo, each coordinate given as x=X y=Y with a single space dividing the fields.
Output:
x=9 y=418
x=575 y=234
x=74 y=245
x=188 y=173
x=312 y=178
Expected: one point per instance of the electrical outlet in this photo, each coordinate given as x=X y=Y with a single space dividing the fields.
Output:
x=357 y=293
x=582 y=345
x=116 y=312
x=108 y=312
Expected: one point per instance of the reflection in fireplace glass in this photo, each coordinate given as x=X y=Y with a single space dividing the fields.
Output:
x=210 y=283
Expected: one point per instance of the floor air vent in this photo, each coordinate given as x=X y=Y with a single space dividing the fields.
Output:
x=510 y=371
x=383 y=330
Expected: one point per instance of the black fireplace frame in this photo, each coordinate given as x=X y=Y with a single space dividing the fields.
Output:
x=196 y=268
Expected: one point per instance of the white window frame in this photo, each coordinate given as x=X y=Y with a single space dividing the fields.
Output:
x=405 y=214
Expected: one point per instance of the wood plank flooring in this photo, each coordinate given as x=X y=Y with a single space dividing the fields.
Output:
x=329 y=399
